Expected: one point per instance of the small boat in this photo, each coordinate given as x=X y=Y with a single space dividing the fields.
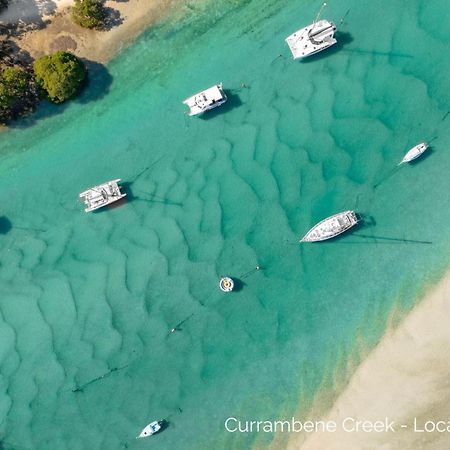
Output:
x=150 y=429
x=102 y=195
x=331 y=227
x=226 y=284
x=414 y=153
x=313 y=38
x=206 y=100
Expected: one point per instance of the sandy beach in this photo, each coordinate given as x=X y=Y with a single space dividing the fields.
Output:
x=58 y=32
x=404 y=380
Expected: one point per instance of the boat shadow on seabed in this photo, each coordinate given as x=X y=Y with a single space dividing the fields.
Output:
x=5 y=227
x=233 y=101
x=367 y=222
x=126 y=188
x=164 y=423
x=343 y=39
x=412 y=163
x=422 y=157
x=238 y=284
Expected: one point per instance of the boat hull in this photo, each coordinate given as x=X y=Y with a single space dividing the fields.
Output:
x=226 y=284
x=102 y=195
x=208 y=108
x=414 y=153
x=331 y=227
x=206 y=100
x=304 y=43
x=150 y=429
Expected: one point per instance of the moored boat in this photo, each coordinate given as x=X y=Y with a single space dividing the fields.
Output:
x=414 y=153
x=150 y=429
x=331 y=227
x=102 y=195
x=313 y=38
x=206 y=100
x=226 y=284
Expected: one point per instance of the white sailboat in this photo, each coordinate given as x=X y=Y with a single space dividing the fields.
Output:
x=331 y=227
x=414 y=153
x=150 y=429
x=313 y=38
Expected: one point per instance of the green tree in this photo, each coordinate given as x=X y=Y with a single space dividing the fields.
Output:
x=60 y=75
x=3 y=4
x=14 y=83
x=88 y=13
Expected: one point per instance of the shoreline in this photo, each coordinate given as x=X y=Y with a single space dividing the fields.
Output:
x=403 y=380
x=30 y=32
x=129 y=20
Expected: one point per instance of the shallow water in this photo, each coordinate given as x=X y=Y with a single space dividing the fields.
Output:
x=83 y=294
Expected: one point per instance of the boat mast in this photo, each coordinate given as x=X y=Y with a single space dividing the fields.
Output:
x=316 y=20
x=318 y=15
x=314 y=23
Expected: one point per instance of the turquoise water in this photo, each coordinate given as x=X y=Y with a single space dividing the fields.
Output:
x=83 y=294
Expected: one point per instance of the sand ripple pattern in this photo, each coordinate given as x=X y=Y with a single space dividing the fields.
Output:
x=87 y=301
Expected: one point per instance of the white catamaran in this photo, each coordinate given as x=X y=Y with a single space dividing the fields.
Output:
x=331 y=227
x=102 y=195
x=313 y=38
x=206 y=100
x=414 y=153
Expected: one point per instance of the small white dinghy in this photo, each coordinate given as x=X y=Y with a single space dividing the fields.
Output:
x=206 y=100
x=150 y=429
x=414 y=153
x=226 y=284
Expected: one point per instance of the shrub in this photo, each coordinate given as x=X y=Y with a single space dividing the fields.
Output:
x=88 y=13
x=14 y=92
x=13 y=85
x=60 y=75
